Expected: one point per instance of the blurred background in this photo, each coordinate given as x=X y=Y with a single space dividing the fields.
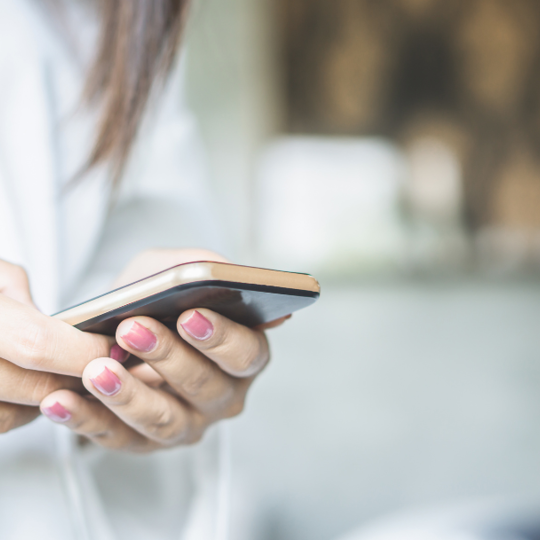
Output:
x=392 y=149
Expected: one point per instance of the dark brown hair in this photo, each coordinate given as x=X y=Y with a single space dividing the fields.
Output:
x=138 y=44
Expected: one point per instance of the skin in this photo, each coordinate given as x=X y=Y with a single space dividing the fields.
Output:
x=183 y=386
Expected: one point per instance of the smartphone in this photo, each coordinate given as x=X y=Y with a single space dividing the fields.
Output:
x=249 y=296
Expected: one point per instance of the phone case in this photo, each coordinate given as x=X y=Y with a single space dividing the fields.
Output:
x=249 y=296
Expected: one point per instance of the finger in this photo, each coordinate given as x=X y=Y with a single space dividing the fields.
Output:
x=273 y=324
x=147 y=375
x=14 y=283
x=28 y=387
x=13 y=416
x=34 y=341
x=153 y=413
x=236 y=349
x=118 y=354
x=93 y=420
x=193 y=376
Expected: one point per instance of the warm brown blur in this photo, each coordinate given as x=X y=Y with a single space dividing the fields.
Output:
x=465 y=71
x=138 y=43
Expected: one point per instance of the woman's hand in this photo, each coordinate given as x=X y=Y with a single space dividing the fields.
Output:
x=31 y=347
x=207 y=368
x=189 y=380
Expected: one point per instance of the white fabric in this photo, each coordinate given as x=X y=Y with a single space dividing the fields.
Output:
x=72 y=244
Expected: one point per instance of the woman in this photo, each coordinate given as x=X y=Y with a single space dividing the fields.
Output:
x=99 y=161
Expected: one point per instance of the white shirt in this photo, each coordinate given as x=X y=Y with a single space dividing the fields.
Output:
x=72 y=244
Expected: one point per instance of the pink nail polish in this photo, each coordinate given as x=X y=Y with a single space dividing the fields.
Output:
x=57 y=413
x=139 y=338
x=107 y=382
x=198 y=326
x=118 y=354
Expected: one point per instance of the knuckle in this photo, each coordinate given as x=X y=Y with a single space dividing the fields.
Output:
x=108 y=440
x=107 y=435
x=13 y=272
x=235 y=409
x=16 y=277
x=244 y=361
x=80 y=426
x=98 y=433
x=5 y=427
x=194 y=384
x=87 y=426
x=18 y=273
x=167 y=427
x=250 y=359
x=165 y=419
x=195 y=438
x=141 y=447
x=190 y=438
x=7 y=420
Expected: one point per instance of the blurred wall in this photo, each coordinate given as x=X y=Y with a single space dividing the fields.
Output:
x=461 y=73
x=465 y=72
x=234 y=88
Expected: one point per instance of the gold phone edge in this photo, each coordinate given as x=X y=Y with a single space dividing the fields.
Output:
x=182 y=275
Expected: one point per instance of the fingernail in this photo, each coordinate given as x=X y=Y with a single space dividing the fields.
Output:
x=139 y=337
x=107 y=382
x=198 y=326
x=118 y=354
x=57 y=413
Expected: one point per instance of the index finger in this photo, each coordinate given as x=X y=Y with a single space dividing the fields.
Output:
x=34 y=341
